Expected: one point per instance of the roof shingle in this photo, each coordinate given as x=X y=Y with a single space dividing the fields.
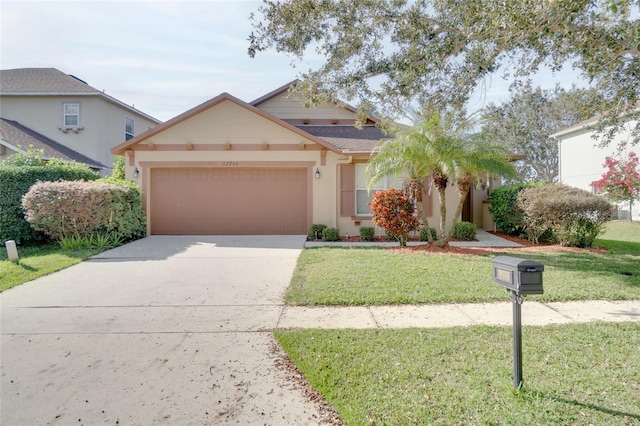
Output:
x=347 y=138
x=41 y=80
x=16 y=135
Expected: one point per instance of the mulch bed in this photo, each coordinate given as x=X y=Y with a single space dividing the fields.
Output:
x=527 y=247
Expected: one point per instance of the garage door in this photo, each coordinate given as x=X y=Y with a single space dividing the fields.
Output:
x=228 y=201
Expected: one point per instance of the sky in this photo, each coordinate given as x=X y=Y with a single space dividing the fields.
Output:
x=164 y=57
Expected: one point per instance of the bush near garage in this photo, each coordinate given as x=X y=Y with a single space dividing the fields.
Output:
x=77 y=209
x=575 y=216
x=330 y=234
x=315 y=232
x=15 y=181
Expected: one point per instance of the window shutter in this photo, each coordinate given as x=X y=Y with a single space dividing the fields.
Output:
x=347 y=190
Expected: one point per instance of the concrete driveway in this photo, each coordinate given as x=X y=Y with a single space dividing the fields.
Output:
x=165 y=330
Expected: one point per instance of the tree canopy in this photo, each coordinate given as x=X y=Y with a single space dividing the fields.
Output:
x=523 y=124
x=621 y=181
x=391 y=52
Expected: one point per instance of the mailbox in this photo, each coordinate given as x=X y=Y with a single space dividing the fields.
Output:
x=519 y=275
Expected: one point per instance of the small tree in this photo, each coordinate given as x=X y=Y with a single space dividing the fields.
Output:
x=118 y=168
x=393 y=210
x=621 y=181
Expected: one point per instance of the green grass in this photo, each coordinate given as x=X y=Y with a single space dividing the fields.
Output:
x=36 y=261
x=582 y=374
x=578 y=374
x=343 y=276
x=621 y=237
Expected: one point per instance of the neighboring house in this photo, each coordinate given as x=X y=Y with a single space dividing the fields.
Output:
x=271 y=166
x=581 y=160
x=67 y=111
x=14 y=136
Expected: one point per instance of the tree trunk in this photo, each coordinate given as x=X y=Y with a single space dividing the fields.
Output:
x=415 y=188
x=443 y=238
x=463 y=195
x=423 y=216
x=464 y=186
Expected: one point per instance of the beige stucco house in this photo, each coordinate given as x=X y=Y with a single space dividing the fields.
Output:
x=44 y=105
x=581 y=159
x=271 y=166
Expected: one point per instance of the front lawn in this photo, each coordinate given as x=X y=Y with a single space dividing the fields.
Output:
x=579 y=374
x=36 y=261
x=344 y=276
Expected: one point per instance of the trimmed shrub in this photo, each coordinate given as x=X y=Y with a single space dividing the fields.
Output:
x=464 y=231
x=506 y=215
x=575 y=216
x=393 y=210
x=424 y=236
x=63 y=210
x=15 y=181
x=129 y=221
x=367 y=233
x=330 y=234
x=315 y=232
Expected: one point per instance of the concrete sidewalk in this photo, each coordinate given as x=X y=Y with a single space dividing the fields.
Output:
x=457 y=315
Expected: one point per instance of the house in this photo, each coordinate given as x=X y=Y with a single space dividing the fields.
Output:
x=14 y=136
x=581 y=160
x=270 y=166
x=64 y=111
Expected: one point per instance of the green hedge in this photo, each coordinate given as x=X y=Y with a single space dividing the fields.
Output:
x=15 y=181
x=506 y=215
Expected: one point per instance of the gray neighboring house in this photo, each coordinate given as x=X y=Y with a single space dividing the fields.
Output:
x=64 y=116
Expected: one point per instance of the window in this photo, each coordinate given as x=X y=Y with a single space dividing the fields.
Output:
x=71 y=115
x=363 y=196
x=128 y=128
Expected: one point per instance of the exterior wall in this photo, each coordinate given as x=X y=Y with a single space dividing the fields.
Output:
x=287 y=108
x=351 y=226
x=581 y=161
x=103 y=122
x=229 y=135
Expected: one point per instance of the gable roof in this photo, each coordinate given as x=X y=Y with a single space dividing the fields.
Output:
x=224 y=97
x=283 y=89
x=18 y=138
x=53 y=82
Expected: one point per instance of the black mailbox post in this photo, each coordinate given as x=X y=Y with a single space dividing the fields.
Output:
x=520 y=277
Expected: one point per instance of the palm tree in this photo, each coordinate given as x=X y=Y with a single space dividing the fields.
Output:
x=434 y=151
x=479 y=160
x=429 y=148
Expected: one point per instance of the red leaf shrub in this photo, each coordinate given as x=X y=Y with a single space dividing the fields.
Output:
x=393 y=211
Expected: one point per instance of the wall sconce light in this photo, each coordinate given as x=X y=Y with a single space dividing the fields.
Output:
x=136 y=173
x=317 y=173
